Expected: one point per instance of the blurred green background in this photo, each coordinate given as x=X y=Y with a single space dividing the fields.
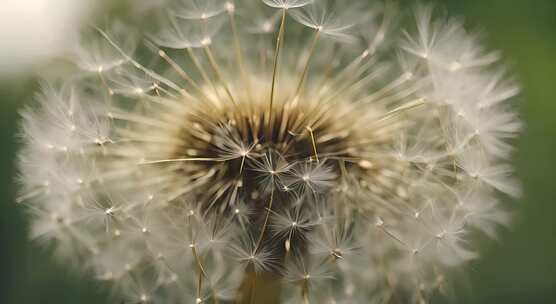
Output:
x=520 y=268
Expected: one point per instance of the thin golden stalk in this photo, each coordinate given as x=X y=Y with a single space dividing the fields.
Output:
x=181 y=72
x=279 y=42
x=265 y=224
x=313 y=142
x=307 y=63
x=216 y=69
x=200 y=68
x=239 y=54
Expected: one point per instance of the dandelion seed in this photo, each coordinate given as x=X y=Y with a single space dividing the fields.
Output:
x=287 y=4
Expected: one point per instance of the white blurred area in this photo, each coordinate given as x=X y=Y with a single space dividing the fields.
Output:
x=32 y=31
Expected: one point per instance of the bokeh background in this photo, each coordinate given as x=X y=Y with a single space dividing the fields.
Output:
x=519 y=268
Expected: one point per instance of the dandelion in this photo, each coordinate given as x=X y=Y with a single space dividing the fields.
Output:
x=265 y=151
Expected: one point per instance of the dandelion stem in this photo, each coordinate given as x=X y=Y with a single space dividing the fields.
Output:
x=242 y=164
x=199 y=261
x=279 y=42
x=265 y=224
x=200 y=68
x=307 y=63
x=239 y=54
x=202 y=274
x=313 y=142
x=216 y=69
x=179 y=70
x=328 y=69
x=199 y=285
x=237 y=44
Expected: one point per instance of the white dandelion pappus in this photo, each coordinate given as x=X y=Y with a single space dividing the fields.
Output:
x=250 y=152
x=287 y=4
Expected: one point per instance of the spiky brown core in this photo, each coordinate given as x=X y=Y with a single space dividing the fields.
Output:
x=224 y=142
x=294 y=132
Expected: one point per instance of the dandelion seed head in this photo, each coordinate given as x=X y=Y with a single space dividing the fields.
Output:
x=233 y=156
